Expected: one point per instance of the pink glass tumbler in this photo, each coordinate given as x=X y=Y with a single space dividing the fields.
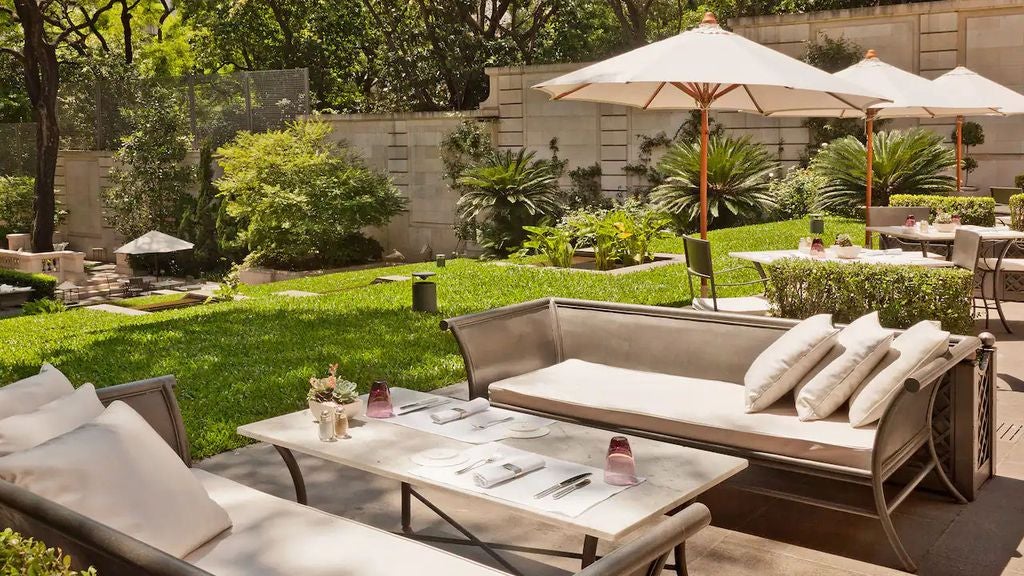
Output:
x=378 y=404
x=620 y=467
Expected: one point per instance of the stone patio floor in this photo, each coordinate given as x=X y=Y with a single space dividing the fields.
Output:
x=750 y=535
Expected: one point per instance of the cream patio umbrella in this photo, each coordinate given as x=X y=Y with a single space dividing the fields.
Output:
x=974 y=89
x=909 y=95
x=708 y=68
x=155 y=243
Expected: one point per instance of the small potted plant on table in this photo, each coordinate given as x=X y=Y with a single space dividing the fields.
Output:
x=845 y=248
x=333 y=393
x=944 y=222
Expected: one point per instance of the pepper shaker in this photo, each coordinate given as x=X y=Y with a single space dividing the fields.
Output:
x=341 y=423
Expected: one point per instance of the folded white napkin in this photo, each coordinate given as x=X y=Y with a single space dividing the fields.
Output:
x=468 y=409
x=495 y=474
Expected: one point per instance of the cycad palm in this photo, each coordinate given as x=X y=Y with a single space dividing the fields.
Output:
x=738 y=175
x=508 y=190
x=905 y=162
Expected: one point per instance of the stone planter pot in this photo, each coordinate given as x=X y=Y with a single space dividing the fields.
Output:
x=945 y=227
x=847 y=252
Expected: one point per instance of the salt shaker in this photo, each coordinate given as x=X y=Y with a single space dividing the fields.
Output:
x=327 y=425
x=341 y=423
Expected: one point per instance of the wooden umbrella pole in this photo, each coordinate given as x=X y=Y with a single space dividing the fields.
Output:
x=959 y=151
x=869 y=176
x=704 y=173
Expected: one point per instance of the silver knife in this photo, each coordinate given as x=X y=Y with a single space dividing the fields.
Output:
x=566 y=491
x=424 y=407
x=421 y=402
x=562 y=484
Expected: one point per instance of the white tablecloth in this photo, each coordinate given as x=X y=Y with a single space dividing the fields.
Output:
x=521 y=490
x=461 y=430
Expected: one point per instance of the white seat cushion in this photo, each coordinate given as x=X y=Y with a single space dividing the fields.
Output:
x=30 y=393
x=754 y=305
x=1008 y=264
x=118 y=471
x=777 y=370
x=274 y=537
x=23 y=431
x=860 y=347
x=703 y=410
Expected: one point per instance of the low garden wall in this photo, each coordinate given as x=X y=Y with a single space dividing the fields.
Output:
x=43 y=285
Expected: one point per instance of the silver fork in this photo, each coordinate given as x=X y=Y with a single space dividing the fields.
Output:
x=487 y=425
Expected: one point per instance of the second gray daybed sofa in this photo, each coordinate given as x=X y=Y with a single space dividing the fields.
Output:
x=677 y=375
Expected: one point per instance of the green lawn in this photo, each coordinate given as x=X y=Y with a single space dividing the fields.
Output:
x=242 y=361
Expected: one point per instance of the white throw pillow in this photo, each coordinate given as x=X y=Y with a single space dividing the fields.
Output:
x=920 y=344
x=23 y=431
x=777 y=370
x=30 y=393
x=859 y=348
x=118 y=471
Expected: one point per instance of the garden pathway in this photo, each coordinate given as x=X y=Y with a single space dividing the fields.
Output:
x=751 y=535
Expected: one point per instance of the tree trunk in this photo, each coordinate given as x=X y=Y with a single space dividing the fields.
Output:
x=126 y=29
x=41 y=78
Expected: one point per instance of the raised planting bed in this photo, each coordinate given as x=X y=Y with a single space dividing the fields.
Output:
x=584 y=261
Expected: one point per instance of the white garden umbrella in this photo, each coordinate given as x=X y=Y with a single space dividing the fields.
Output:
x=974 y=89
x=708 y=68
x=155 y=243
x=909 y=95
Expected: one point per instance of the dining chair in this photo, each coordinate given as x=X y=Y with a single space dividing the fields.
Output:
x=994 y=265
x=967 y=255
x=699 y=264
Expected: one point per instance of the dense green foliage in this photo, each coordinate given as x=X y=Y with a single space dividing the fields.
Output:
x=301 y=200
x=151 y=180
x=738 y=177
x=43 y=285
x=199 y=221
x=16 y=196
x=974 y=210
x=505 y=192
x=796 y=194
x=21 y=556
x=43 y=306
x=243 y=361
x=910 y=161
x=1017 y=211
x=801 y=288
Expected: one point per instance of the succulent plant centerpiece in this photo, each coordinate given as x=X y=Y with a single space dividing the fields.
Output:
x=332 y=392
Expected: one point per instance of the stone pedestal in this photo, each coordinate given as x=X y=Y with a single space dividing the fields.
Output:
x=19 y=242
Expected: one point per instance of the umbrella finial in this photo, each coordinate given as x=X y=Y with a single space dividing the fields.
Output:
x=870 y=54
x=709 y=19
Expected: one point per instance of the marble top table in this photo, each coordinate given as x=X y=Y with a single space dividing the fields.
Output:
x=904 y=258
x=914 y=234
x=675 y=475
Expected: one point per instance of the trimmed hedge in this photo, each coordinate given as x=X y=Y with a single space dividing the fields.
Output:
x=902 y=295
x=20 y=555
x=1017 y=211
x=973 y=210
x=43 y=286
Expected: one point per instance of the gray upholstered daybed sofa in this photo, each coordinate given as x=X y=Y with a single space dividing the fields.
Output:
x=270 y=536
x=677 y=374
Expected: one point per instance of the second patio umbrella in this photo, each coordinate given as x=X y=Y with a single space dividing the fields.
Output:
x=708 y=68
x=155 y=243
x=972 y=88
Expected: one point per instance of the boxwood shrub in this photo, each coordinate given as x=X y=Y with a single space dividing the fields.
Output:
x=43 y=286
x=902 y=295
x=1017 y=211
x=974 y=210
x=20 y=555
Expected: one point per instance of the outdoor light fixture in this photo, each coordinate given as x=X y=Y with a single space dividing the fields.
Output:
x=817 y=224
x=424 y=293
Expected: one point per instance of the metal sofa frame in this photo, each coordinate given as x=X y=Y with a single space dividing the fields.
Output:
x=946 y=405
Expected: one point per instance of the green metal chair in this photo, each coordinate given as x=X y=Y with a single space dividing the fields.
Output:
x=698 y=263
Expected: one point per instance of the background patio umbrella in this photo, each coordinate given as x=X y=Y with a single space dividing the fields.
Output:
x=708 y=68
x=155 y=243
x=971 y=88
x=909 y=95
